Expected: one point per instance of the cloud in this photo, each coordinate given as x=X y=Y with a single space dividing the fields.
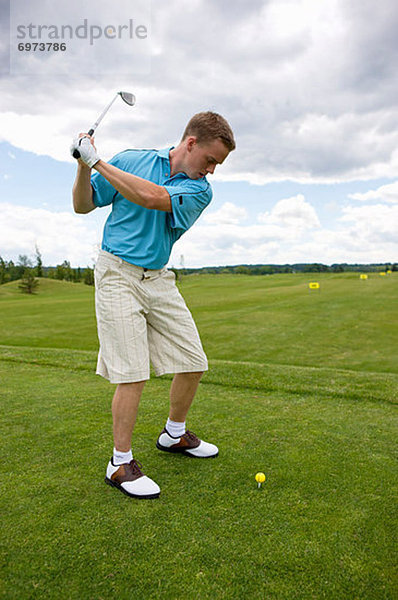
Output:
x=228 y=214
x=373 y=224
x=309 y=88
x=59 y=236
x=387 y=193
x=292 y=212
x=291 y=233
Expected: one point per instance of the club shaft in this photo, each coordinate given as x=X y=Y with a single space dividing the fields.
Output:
x=102 y=115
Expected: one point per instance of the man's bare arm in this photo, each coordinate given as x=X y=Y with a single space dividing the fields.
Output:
x=82 y=191
x=135 y=189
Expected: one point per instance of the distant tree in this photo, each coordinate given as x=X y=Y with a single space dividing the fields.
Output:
x=3 y=271
x=337 y=268
x=89 y=276
x=23 y=263
x=39 y=263
x=28 y=284
x=68 y=271
x=394 y=267
x=242 y=270
x=267 y=270
x=12 y=271
x=77 y=275
x=316 y=268
x=59 y=272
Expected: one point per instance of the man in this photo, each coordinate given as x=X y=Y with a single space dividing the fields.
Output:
x=156 y=196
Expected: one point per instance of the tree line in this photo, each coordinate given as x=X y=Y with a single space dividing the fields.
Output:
x=292 y=268
x=27 y=270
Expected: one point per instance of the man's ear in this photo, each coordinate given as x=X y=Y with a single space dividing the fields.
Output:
x=191 y=141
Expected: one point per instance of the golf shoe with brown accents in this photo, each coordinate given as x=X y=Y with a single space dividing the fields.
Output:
x=129 y=479
x=188 y=444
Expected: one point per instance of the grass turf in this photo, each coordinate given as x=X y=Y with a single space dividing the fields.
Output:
x=322 y=526
x=347 y=324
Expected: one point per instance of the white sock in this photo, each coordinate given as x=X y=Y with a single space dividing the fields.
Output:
x=120 y=458
x=175 y=429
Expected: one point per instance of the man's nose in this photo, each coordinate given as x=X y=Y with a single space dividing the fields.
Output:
x=211 y=169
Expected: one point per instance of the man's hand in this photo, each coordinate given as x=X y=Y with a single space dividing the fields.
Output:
x=85 y=145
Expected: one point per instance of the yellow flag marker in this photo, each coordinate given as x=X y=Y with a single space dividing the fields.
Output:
x=314 y=285
x=363 y=276
x=382 y=273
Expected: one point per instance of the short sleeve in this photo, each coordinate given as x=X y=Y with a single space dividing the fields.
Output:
x=104 y=192
x=188 y=201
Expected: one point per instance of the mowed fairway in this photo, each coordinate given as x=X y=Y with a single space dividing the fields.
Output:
x=303 y=386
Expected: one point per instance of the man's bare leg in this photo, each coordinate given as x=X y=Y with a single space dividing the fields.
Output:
x=172 y=438
x=125 y=474
x=124 y=411
x=182 y=393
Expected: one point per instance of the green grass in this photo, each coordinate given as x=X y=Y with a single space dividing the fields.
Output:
x=323 y=525
x=348 y=324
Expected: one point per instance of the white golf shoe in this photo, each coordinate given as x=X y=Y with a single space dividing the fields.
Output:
x=188 y=444
x=129 y=479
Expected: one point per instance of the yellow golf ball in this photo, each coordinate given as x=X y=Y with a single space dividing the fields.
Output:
x=260 y=477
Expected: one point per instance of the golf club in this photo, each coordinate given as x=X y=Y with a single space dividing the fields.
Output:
x=126 y=96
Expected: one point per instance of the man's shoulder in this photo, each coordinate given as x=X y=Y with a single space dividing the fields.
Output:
x=198 y=189
x=133 y=154
x=194 y=185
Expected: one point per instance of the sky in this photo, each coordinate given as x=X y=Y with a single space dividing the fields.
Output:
x=308 y=87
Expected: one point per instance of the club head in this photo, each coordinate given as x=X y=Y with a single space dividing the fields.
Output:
x=128 y=98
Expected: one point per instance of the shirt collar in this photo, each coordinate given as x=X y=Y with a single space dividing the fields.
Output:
x=164 y=153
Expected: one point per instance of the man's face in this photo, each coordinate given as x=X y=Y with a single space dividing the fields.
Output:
x=202 y=159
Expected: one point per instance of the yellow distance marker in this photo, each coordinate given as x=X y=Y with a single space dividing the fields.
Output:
x=363 y=276
x=382 y=273
x=260 y=478
x=314 y=285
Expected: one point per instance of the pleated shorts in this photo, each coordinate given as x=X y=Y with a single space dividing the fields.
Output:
x=142 y=319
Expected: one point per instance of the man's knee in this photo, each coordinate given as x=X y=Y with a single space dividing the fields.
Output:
x=192 y=374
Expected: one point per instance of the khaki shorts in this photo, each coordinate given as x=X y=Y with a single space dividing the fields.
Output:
x=142 y=318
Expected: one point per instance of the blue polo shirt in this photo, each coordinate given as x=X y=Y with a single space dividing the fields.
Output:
x=143 y=236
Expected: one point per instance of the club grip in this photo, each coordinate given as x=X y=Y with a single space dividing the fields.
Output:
x=76 y=153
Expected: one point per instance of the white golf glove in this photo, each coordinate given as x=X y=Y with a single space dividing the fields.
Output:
x=86 y=150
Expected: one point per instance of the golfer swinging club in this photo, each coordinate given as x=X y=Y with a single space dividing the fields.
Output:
x=156 y=196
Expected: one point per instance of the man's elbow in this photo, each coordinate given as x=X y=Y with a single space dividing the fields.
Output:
x=158 y=200
x=83 y=209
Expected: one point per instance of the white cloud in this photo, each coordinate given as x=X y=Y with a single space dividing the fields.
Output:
x=59 y=236
x=387 y=193
x=372 y=224
x=365 y=234
x=228 y=214
x=292 y=212
x=11 y=155
x=308 y=87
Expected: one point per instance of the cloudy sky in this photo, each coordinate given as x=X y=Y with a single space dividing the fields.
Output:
x=308 y=86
